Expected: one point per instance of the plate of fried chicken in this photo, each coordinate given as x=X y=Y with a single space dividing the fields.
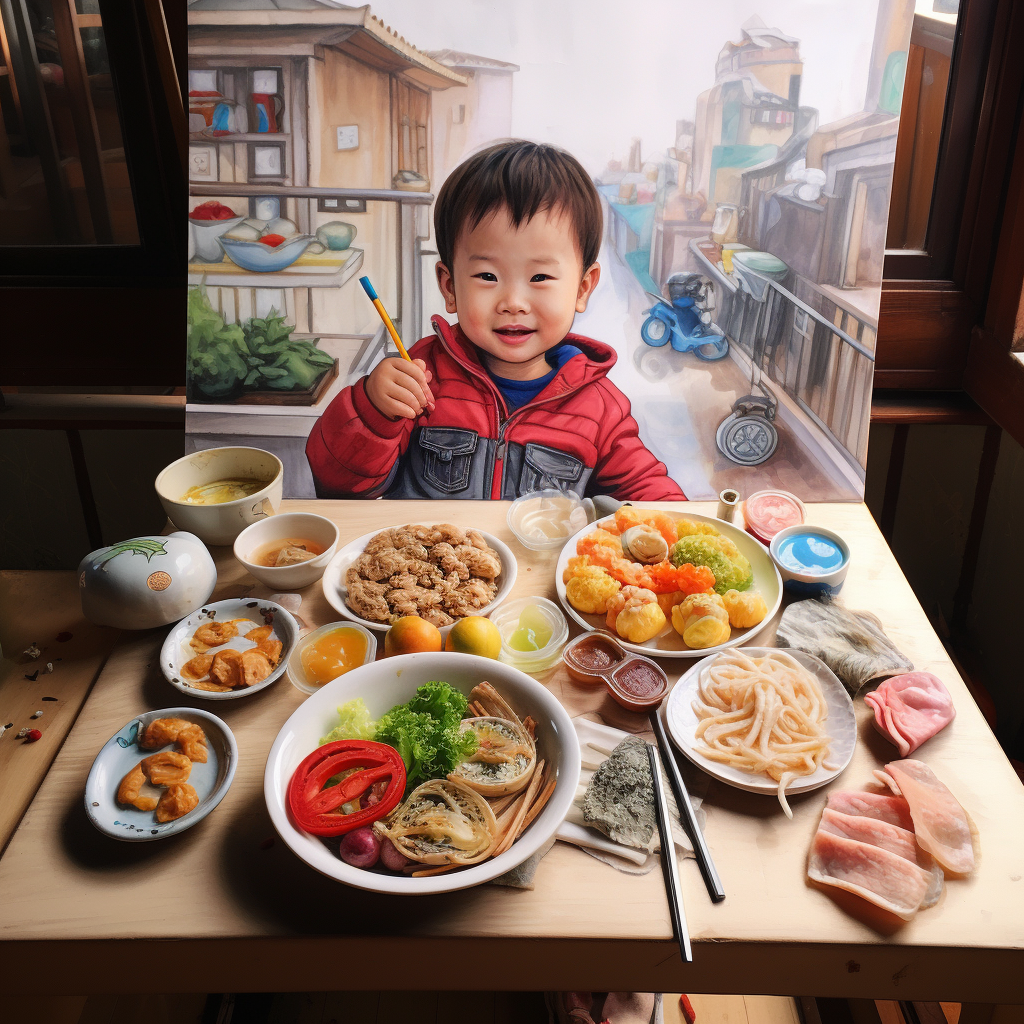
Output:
x=440 y=572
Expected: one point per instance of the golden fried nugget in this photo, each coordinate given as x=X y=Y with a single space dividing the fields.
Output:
x=255 y=667
x=271 y=647
x=227 y=668
x=204 y=684
x=259 y=634
x=197 y=667
x=128 y=791
x=178 y=799
x=167 y=768
x=213 y=634
x=189 y=737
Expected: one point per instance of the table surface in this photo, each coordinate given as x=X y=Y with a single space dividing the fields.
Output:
x=245 y=914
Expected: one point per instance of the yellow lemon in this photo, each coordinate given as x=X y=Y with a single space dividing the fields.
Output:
x=474 y=635
x=410 y=634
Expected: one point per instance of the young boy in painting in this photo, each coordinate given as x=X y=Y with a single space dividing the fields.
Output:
x=507 y=400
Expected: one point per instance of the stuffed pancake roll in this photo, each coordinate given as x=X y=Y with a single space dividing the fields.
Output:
x=442 y=822
x=503 y=761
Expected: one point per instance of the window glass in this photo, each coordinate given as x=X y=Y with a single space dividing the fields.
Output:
x=63 y=171
x=916 y=84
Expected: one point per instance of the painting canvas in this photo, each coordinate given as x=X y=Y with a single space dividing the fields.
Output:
x=743 y=155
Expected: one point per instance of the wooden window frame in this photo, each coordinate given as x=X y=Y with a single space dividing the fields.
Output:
x=947 y=315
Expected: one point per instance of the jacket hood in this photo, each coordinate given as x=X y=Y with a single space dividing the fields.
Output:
x=599 y=357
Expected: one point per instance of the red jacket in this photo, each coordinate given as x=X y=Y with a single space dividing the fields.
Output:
x=577 y=433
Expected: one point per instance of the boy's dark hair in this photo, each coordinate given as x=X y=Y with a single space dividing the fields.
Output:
x=525 y=178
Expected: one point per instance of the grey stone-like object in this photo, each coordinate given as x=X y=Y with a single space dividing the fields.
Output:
x=620 y=798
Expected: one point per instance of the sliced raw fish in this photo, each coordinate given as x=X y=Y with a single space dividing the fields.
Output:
x=910 y=709
x=883 y=878
x=940 y=823
x=887 y=837
x=891 y=809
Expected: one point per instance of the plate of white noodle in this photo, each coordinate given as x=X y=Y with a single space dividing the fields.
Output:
x=764 y=719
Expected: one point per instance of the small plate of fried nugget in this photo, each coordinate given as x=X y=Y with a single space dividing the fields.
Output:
x=160 y=774
x=229 y=649
x=441 y=572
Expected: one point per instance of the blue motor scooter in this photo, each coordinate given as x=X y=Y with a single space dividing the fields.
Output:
x=685 y=321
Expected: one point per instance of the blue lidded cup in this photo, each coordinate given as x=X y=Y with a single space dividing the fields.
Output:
x=812 y=560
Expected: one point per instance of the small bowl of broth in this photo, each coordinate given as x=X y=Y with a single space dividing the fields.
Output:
x=328 y=652
x=216 y=493
x=288 y=551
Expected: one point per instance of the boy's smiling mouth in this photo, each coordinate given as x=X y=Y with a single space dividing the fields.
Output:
x=514 y=332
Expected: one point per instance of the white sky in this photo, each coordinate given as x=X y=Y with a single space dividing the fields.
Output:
x=601 y=72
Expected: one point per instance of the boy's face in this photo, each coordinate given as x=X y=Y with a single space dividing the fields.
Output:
x=517 y=290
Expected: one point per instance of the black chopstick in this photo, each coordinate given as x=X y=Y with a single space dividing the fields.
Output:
x=668 y=853
x=688 y=818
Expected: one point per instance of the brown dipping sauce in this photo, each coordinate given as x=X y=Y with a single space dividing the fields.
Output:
x=636 y=683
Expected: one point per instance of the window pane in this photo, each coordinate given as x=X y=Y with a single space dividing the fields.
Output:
x=63 y=174
x=923 y=104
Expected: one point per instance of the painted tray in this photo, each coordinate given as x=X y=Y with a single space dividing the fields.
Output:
x=668 y=643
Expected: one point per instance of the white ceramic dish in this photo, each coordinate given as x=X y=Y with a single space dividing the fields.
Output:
x=288 y=525
x=681 y=721
x=223 y=522
x=297 y=676
x=668 y=643
x=176 y=650
x=335 y=590
x=121 y=753
x=394 y=681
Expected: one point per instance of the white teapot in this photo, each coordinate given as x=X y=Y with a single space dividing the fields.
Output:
x=146 y=581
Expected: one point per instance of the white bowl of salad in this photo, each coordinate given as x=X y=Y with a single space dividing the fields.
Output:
x=423 y=773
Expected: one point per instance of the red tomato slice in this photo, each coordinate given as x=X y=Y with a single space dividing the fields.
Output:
x=272 y=240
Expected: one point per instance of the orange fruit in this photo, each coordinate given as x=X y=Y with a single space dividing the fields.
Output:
x=411 y=634
x=474 y=635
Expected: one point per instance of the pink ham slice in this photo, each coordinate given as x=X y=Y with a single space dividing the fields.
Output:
x=940 y=823
x=910 y=709
x=885 y=879
x=890 y=838
x=890 y=809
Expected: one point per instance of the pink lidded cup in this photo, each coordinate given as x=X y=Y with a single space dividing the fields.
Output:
x=767 y=512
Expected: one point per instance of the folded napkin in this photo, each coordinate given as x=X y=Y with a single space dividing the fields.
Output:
x=597 y=741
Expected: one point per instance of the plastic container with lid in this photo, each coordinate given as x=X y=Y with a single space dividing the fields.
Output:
x=765 y=513
x=635 y=682
x=546 y=519
x=307 y=682
x=508 y=620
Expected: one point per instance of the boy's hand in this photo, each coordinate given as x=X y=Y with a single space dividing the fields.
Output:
x=400 y=388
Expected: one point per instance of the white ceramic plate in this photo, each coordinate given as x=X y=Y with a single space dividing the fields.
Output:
x=668 y=643
x=335 y=590
x=382 y=685
x=121 y=753
x=176 y=650
x=681 y=720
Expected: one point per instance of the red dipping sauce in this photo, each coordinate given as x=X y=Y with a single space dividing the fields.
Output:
x=589 y=657
x=638 y=684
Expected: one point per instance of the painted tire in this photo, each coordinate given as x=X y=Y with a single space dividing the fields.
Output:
x=712 y=351
x=747 y=440
x=654 y=331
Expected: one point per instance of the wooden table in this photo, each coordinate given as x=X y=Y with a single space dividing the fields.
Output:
x=232 y=909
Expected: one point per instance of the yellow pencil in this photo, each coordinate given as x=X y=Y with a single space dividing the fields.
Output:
x=369 y=289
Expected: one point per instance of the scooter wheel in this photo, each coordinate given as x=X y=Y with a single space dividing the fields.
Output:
x=747 y=440
x=712 y=351
x=654 y=331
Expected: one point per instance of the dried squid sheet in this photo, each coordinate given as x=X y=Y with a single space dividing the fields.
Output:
x=940 y=822
x=852 y=644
